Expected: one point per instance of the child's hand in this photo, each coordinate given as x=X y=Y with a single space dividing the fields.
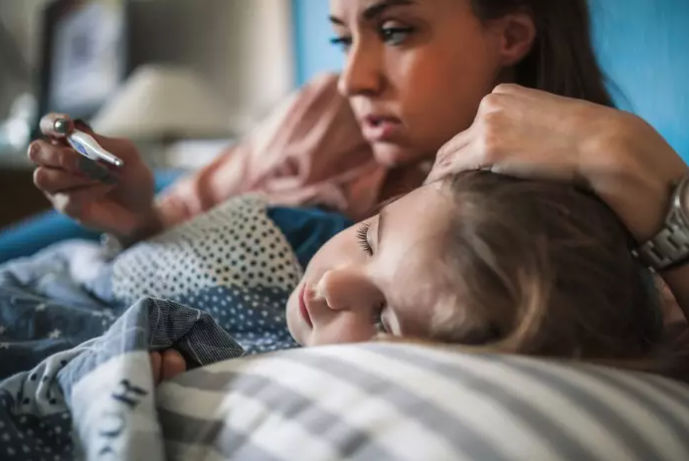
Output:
x=167 y=364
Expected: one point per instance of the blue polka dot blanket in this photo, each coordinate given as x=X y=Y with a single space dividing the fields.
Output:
x=76 y=327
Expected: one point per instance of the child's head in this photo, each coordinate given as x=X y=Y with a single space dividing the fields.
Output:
x=483 y=260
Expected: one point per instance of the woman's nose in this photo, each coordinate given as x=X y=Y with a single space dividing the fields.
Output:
x=361 y=74
x=348 y=289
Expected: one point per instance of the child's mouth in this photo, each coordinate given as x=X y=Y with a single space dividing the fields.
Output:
x=302 y=307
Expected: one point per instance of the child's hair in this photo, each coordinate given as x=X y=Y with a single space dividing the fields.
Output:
x=545 y=269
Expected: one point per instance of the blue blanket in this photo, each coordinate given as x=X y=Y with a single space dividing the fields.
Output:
x=65 y=315
x=76 y=378
x=46 y=306
x=96 y=400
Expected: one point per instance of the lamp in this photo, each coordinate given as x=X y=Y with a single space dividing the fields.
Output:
x=161 y=104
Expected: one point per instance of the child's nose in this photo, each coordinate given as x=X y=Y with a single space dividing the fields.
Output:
x=348 y=289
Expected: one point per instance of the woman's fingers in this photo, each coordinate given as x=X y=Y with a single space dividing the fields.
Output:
x=453 y=157
x=54 y=180
x=56 y=125
x=46 y=154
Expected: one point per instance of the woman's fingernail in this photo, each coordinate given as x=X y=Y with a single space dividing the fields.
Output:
x=62 y=125
x=34 y=148
x=94 y=171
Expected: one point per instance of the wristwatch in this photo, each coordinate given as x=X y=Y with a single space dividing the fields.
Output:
x=670 y=247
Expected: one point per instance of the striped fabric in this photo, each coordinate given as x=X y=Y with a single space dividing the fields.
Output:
x=406 y=402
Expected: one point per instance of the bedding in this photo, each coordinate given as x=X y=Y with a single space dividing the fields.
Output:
x=359 y=401
x=96 y=401
x=407 y=402
x=94 y=398
x=239 y=262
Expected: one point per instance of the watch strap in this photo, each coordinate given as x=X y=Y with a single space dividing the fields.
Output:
x=670 y=247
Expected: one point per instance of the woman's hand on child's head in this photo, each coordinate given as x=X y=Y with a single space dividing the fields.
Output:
x=115 y=200
x=167 y=364
x=529 y=133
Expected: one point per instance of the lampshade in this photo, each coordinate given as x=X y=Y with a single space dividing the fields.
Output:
x=161 y=102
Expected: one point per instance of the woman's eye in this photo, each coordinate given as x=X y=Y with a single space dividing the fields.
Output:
x=344 y=43
x=395 y=35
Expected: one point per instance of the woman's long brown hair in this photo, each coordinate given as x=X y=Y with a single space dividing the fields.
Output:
x=562 y=60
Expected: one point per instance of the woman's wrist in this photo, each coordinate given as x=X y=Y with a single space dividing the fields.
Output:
x=148 y=225
x=635 y=171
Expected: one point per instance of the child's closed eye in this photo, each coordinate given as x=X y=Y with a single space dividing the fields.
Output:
x=378 y=320
x=362 y=236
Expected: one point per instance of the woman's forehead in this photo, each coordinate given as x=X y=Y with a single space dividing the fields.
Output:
x=372 y=9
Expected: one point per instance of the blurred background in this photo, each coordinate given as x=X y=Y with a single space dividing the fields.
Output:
x=184 y=78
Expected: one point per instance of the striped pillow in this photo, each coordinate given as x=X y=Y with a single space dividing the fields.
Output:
x=408 y=402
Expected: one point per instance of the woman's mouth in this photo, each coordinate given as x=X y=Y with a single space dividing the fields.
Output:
x=381 y=128
x=303 y=310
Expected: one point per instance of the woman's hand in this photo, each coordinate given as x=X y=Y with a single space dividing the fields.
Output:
x=114 y=200
x=532 y=134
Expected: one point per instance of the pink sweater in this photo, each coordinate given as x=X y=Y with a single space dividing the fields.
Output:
x=310 y=151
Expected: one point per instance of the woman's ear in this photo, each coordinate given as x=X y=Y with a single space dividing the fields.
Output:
x=517 y=32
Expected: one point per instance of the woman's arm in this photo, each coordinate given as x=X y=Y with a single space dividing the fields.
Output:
x=529 y=133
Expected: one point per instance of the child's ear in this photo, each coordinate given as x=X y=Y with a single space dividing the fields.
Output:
x=517 y=34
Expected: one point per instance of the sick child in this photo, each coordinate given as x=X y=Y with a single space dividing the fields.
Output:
x=477 y=260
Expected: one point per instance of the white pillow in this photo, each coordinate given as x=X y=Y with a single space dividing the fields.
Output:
x=406 y=402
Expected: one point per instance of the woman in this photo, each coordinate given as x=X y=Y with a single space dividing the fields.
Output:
x=410 y=87
x=418 y=72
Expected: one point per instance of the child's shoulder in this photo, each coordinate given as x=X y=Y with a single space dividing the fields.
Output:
x=307 y=229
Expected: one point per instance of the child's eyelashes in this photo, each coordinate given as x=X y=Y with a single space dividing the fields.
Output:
x=362 y=237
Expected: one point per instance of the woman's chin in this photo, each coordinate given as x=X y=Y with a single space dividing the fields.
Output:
x=392 y=155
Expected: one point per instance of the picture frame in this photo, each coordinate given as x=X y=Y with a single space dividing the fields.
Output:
x=85 y=55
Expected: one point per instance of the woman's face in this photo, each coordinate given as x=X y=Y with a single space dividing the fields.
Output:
x=415 y=71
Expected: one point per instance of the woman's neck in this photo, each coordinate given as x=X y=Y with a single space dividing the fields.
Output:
x=404 y=179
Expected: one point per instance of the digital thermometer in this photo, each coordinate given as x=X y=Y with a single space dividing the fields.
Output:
x=89 y=148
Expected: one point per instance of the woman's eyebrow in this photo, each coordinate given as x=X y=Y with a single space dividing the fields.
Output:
x=336 y=21
x=374 y=11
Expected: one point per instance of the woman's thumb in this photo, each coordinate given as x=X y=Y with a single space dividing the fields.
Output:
x=56 y=125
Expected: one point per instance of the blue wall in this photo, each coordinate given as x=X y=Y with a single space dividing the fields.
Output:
x=312 y=36
x=642 y=44
x=644 y=48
